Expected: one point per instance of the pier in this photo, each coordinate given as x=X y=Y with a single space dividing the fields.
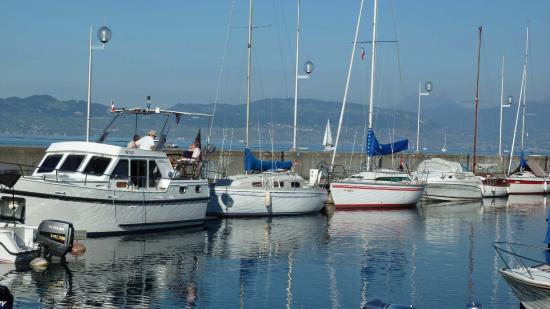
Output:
x=231 y=163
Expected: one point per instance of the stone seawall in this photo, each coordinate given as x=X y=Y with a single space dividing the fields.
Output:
x=232 y=163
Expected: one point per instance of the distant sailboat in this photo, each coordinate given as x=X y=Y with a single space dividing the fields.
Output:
x=444 y=148
x=327 y=139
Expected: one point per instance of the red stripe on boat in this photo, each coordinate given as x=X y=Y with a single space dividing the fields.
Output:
x=378 y=188
x=525 y=182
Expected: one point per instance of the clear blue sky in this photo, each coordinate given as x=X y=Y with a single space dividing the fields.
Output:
x=172 y=50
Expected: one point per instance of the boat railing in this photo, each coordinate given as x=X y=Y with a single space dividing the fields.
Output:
x=506 y=249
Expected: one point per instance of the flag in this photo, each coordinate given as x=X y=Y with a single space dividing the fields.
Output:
x=178 y=116
x=198 y=139
x=362 y=53
x=112 y=106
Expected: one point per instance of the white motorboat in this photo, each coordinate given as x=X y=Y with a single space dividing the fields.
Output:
x=328 y=145
x=494 y=186
x=529 y=278
x=528 y=178
x=107 y=189
x=376 y=189
x=447 y=181
x=20 y=243
x=267 y=187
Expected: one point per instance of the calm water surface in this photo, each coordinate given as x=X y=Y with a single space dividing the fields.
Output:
x=435 y=256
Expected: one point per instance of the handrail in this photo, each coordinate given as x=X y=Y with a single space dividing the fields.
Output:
x=518 y=257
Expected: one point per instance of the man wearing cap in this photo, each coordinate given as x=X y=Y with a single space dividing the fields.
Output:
x=148 y=141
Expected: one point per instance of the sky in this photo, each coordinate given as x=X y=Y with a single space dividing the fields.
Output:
x=195 y=51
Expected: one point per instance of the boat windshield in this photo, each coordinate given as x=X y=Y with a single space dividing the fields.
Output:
x=393 y=178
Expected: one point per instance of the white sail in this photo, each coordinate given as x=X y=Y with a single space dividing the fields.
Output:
x=327 y=139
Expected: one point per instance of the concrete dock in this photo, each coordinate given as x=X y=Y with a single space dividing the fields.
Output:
x=232 y=163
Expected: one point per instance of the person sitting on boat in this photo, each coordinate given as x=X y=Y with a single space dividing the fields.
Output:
x=133 y=142
x=191 y=157
x=147 y=142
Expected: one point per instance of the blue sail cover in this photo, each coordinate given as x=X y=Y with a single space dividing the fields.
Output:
x=251 y=164
x=522 y=161
x=374 y=148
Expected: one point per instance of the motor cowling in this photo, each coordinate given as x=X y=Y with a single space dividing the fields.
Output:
x=56 y=237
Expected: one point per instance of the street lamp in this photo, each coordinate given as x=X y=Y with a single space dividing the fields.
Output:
x=428 y=88
x=508 y=103
x=104 y=35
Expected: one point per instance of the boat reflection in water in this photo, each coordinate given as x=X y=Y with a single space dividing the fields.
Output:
x=526 y=201
x=131 y=271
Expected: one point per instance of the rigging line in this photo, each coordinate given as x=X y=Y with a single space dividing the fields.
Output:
x=281 y=54
x=364 y=95
x=220 y=73
x=396 y=34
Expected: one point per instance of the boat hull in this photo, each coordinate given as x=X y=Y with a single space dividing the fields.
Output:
x=532 y=185
x=452 y=191
x=364 y=195
x=494 y=191
x=103 y=211
x=227 y=202
x=533 y=290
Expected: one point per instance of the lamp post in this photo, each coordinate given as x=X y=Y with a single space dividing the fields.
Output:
x=428 y=88
x=308 y=69
x=104 y=35
x=508 y=103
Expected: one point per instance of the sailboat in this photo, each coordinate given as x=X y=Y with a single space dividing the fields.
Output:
x=327 y=139
x=444 y=148
x=528 y=177
x=380 y=188
x=267 y=188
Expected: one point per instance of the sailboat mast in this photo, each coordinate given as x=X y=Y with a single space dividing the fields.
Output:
x=476 y=101
x=501 y=101
x=347 y=84
x=523 y=78
x=524 y=91
x=296 y=75
x=372 y=70
x=248 y=73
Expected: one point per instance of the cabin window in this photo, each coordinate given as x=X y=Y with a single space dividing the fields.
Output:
x=183 y=189
x=281 y=184
x=295 y=184
x=49 y=163
x=97 y=165
x=257 y=184
x=198 y=189
x=138 y=171
x=71 y=163
x=275 y=184
x=154 y=174
x=121 y=170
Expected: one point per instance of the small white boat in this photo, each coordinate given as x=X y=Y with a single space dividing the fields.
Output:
x=376 y=189
x=265 y=194
x=328 y=144
x=20 y=243
x=447 y=181
x=529 y=278
x=528 y=179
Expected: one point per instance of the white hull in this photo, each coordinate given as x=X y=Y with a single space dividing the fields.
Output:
x=374 y=194
x=451 y=191
x=494 y=191
x=530 y=285
x=528 y=185
x=100 y=210
x=16 y=243
x=227 y=201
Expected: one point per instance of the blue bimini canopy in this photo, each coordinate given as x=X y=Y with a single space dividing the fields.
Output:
x=251 y=164
x=374 y=148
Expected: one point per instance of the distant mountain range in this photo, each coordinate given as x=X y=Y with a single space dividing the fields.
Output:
x=45 y=115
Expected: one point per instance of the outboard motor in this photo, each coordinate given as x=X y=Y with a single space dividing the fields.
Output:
x=378 y=304
x=56 y=237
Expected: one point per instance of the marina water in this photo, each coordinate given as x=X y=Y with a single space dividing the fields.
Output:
x=433 y=256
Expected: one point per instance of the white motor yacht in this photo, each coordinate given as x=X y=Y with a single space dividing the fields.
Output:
x=107 y=189
x=447 y=181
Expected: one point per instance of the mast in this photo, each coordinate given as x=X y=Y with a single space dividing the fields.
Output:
x=296 y=75
x=347 y=84
x=521 y=95
x=501 y=101
x=372 y=70
x=524 y=91
x=248 y=73
x=476 y=100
